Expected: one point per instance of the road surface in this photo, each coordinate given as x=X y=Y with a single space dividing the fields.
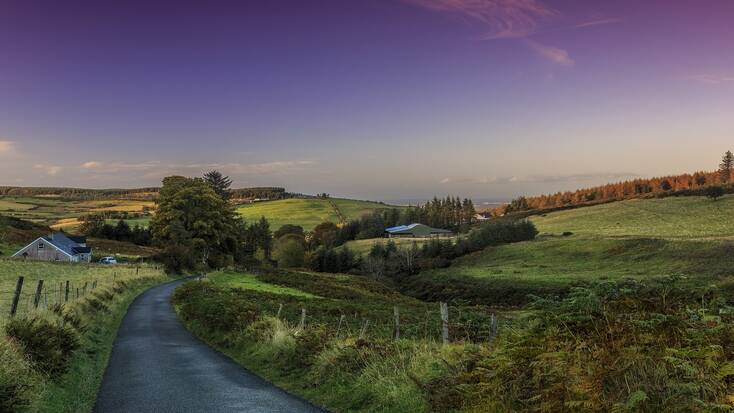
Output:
x=156 y=365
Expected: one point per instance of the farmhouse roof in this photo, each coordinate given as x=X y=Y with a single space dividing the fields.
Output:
x=67 y=244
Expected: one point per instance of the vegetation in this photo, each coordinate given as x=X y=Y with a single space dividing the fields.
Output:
x=325 y=360
x=53 y=358
x=307 y=212
x=220 y=184
x=635 y=239
x=669 y=218
x=678 y=185
x=55 y=276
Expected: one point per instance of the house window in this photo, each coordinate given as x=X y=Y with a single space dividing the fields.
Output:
x=40 y=245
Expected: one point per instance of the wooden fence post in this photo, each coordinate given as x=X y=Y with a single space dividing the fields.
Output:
x=84 y=288
x=492 y=328
x=37 y=296
x=444 y=323
x=396 y=334
x=16 y=296
x=66 y=295
x=339 y=326
x=280 y=309
x=302 y=324
x=363 y=331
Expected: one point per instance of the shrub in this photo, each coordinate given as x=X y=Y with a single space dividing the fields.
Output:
x=17 y=379
x=567 y=233
x=47 y=344
x=289 y=253
x=215 y=308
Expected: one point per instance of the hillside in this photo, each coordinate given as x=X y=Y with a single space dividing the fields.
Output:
x=639 y=239
x=670 y=218
x=308 y=212
x=64 y=213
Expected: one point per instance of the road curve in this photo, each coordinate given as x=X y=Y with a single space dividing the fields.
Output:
x=156 y=365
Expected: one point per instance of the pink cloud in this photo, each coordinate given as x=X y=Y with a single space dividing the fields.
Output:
x=712 y=79
x=552 y=54
x=598 y=22
x=500 y=19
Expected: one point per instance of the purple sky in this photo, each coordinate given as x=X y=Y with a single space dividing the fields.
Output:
x=378 y=99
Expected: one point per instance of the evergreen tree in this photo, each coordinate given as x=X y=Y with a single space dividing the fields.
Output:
x=219 y=183
x=727 y=164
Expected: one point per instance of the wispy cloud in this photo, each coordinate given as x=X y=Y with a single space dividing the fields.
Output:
x=158 y=169
x=91 y=165
x=552 y=54
x=598 y=22
x=7 y=148
x=711 y=79
x=499 y=19
x=50 y=170
x=544 y=179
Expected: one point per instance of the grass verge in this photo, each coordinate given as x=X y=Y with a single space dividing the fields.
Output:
x=96 y=318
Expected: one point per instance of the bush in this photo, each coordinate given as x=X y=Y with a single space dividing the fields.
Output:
x=176 y=259
x=289 y=253
x=47 y=344
x=567 y=233
x=17 y=379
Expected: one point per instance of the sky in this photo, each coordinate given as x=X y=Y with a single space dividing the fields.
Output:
x=371 y=99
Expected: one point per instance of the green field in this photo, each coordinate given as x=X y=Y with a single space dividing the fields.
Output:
x=671 y=218
x=363 y=246
x=54 y=274
x=691 y=237
x=64 y=214
x=307 y=212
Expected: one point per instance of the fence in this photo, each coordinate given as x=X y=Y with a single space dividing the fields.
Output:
x=438 y=325
x=28 y=294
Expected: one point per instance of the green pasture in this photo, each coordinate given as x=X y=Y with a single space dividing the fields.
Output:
x=306 y=212
x=672 y=218
x=55 y=276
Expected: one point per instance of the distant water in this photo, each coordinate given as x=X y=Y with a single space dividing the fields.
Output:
x=479 y=203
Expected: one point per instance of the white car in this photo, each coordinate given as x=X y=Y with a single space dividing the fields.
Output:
x=108 y=260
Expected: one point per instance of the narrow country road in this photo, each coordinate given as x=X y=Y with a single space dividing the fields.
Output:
x=158 y=366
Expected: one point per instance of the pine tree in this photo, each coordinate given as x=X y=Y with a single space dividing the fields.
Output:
x=727 y=163
x=219 y=183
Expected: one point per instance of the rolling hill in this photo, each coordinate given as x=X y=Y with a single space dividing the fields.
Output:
x=308 y=212
x=691 y=237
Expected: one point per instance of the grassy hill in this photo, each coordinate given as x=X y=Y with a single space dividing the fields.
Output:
x=64 y=214
x=691 y=237
x=670 y=218
x=308 y=212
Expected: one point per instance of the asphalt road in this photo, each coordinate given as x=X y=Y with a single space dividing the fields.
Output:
x=156 y=365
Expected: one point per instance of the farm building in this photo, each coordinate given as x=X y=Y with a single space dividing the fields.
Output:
x=416 y=231
x=57 y=246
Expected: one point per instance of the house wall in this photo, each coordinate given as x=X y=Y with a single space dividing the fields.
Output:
x=46 y=253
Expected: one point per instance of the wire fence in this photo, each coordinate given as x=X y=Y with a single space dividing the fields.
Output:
x=443 y=323
x=30 y=294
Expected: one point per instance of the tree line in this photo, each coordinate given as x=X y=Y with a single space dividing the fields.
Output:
x=685 y=184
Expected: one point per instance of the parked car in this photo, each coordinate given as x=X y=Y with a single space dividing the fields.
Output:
x=108 y=260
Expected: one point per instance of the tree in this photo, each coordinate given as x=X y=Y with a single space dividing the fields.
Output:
x=324 y=234
x=726 y=166
x=288 y=229
x=219 y=183
x=289 y=253
x=715 y=192
x=196 y=221
x=665 y=185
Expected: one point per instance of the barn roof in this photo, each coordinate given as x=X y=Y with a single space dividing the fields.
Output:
x=416 y=228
